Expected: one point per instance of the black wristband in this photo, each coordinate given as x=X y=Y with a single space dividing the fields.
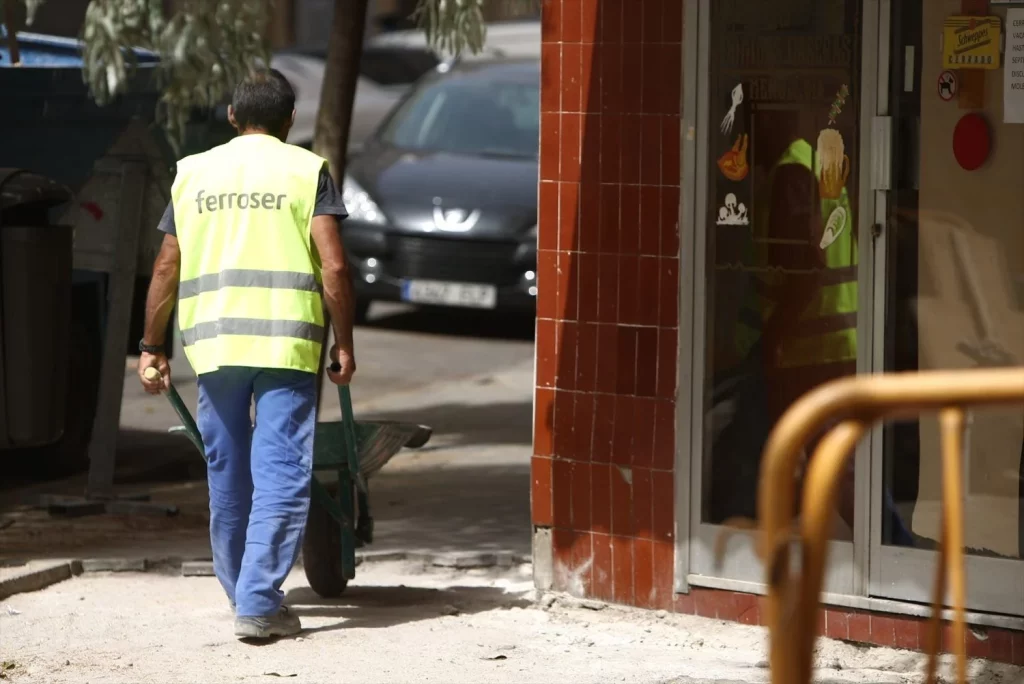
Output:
x=150 y=348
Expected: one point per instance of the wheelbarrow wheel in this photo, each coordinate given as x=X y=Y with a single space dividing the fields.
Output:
x=321 y=553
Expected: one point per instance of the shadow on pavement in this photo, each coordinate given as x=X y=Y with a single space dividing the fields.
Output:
x=372 y=607
x=143 y=456
x=148 y=456
x=447 y=509
x=467 y=490
x=421 y=503
x=468 y=424
x=457 y=322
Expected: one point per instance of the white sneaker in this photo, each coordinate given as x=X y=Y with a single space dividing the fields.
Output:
x=285 y=623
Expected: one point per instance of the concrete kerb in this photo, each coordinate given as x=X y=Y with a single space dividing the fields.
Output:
x=42 y=574
x=37 y=575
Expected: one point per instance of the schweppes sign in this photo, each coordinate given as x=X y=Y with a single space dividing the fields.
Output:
x=972 y=42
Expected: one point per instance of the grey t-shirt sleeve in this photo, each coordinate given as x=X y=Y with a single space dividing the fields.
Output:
x=167 y=224
x=328 y=197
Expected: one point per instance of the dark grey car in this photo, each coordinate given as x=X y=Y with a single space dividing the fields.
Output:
x=443 y=199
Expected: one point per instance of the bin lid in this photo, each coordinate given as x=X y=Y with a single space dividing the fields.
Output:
x=51 y=123
x=56 y=52
x=20 y=189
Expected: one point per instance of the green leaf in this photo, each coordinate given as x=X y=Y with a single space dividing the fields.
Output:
x=205 y=49
x=31 y=6
x=208 y=46
x=452 y=26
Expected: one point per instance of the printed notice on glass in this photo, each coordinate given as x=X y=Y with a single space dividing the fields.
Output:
x=1013 y=69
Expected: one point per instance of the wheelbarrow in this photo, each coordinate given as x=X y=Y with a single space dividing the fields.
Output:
x=346 y=454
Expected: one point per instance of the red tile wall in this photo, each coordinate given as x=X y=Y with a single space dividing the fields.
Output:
x=608 y=279
x=607 y=321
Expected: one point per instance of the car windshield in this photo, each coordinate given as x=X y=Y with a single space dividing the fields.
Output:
x=469 y=116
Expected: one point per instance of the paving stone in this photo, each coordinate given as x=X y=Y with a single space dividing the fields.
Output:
x=115 y=565
x=465 y=561
x=197 y=569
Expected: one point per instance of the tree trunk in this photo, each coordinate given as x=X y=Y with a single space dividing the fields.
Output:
x=12 y=32
x=281 y=31
x=338 y=92
x=334 y=118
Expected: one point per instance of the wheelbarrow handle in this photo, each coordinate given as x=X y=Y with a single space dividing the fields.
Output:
x=187 y=421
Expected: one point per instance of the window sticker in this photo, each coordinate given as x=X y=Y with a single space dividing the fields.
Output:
x=948 y=85
x=733 y=212
x=733 y=163
x=730 y=117
x=837 y=105
x=834 y=227
x=833 y=164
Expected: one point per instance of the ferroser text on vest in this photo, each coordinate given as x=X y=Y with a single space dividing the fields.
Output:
x=251 y=200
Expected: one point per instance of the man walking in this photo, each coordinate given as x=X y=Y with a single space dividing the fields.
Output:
x=252 y=248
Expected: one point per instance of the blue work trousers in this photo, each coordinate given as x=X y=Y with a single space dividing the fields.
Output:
x=259 y=478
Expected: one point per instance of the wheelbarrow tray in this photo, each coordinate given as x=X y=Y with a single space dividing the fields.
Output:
x=377 y=443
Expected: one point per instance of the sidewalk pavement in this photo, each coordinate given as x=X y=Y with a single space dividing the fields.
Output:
x=397 y=623
x=466 y=491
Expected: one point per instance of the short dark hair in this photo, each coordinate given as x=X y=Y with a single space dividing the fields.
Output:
x=264 y=100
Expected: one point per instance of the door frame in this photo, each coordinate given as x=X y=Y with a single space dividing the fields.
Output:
x=741 y=569
x=994 y=585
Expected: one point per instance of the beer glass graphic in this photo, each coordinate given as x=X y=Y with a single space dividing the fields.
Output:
x=833 y=164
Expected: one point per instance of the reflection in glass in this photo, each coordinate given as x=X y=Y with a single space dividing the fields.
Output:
x=954 y=299
x=962 y=309
x=782 y=291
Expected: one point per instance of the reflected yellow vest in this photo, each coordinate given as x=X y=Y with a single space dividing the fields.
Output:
x=827 y=330
x=250 y=284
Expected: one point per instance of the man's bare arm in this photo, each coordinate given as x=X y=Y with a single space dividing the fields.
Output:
x=163 y=291
x=338 y=293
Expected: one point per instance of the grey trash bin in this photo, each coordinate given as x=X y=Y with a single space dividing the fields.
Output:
x=35 y=309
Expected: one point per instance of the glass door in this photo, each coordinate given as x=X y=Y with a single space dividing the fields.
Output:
x=782 y=211
x=952 y=296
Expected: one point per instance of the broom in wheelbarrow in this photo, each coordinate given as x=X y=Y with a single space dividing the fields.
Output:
x=346 y=454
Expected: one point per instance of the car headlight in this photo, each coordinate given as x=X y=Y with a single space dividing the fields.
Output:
x=359 y=204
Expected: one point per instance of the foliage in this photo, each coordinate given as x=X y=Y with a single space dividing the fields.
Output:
x=205 y=49
x=207 y=46
x=30 y=8
x=453 y=25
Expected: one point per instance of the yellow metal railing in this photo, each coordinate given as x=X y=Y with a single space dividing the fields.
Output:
x=853 y=405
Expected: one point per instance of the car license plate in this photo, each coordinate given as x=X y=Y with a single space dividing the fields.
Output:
x=450 y=294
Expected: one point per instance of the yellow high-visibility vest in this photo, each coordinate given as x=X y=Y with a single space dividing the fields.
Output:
x=827 y=329
x=250 y=280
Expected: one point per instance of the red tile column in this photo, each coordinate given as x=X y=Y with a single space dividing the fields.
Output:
x=608 y=294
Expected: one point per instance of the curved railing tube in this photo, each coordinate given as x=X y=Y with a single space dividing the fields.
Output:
x=853 y=405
